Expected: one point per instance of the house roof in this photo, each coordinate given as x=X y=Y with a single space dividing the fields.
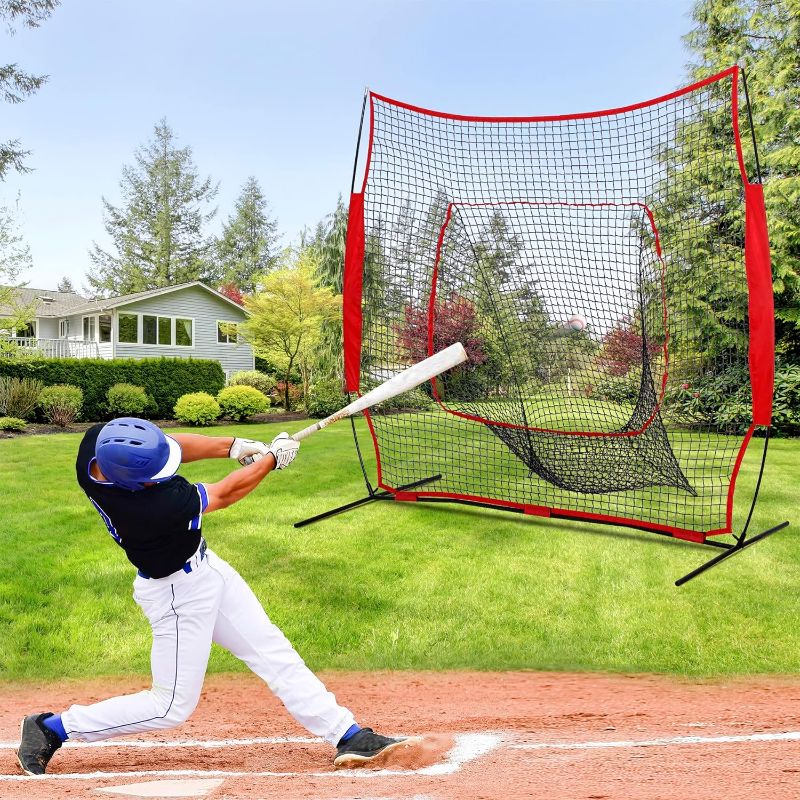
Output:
x=47 y=302
x=65 y=304
x=94 y=306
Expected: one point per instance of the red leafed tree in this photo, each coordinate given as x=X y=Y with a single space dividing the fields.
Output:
x=232 y=292
x=455 y=321
x=622 y=350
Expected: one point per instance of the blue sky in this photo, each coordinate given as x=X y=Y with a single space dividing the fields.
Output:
x=274 y=90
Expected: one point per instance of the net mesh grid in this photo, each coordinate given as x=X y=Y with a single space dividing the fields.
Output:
x=499 y=231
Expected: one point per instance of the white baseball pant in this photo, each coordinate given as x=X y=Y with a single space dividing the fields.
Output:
x=187 y=611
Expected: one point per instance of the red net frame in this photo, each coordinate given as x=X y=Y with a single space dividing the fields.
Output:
x=755 y=269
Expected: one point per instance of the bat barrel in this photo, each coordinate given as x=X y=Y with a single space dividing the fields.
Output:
x=404 y=381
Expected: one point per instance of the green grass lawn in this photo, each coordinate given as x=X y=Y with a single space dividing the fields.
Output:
x=400 y=586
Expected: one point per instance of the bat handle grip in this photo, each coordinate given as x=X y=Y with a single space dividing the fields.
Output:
x=298 y=437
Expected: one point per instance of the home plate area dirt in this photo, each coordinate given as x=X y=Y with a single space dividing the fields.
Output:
x=485 y=735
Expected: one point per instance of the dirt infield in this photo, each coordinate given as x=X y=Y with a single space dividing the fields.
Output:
x=487 y=735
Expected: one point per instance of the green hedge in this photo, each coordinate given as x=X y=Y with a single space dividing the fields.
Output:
x=165 y=379
x=724 y=401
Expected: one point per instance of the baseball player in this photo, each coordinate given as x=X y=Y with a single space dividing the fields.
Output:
x=190 y=595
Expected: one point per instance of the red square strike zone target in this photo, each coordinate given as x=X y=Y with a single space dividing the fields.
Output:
x=608 y=274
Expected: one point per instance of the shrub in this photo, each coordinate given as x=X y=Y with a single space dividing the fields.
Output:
x=713 y=399
x=9 y=349
x=20 y=352
x=166 y=378
x=295 y=394
x=127 y=400
x=325 y=397
x=415 y=400
x=619 y=388
x=61 y=403
x=12 y=424
x=239 y=402
x=19 y=396
x=786 y=405
x=197 y=408
x=724 y=400
x=252 y=377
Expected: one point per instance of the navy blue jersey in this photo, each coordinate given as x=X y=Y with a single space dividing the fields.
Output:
x=158 y=527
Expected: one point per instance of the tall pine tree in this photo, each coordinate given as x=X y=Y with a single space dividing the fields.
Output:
x=249 y=242
x=16 y=85
x=158 y=231
x=763 y=36
x=328 y=246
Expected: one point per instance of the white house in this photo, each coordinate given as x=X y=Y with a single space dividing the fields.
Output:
x=190 y=320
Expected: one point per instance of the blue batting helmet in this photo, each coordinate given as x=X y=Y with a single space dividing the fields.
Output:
x=131 y=452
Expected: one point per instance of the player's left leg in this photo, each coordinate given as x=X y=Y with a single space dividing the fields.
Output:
x=182 y=610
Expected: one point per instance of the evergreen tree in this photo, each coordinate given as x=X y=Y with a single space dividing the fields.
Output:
x=158 y=230
x=16 y=85
x=65 y=285
x=249 y=242
x=763 y=36
x=509 y=306
x=328 y=245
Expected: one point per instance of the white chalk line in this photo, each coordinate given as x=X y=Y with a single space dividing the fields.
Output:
x=789 y=736
x=467 y=747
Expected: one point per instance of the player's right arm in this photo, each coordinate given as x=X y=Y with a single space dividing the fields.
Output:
x=241 y=482
x=196 y=446
x=238 y=484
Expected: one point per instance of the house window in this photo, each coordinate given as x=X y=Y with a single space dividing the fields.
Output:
x=104 y=327
x=63 y=328
x=89 y=329
x=128 y=328
x=28 y=331
x=156 y=330
x=149 y=329
x=183 y=332
x=227 y=332
x=165 y=330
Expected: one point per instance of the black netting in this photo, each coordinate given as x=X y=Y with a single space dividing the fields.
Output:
x=593 y=268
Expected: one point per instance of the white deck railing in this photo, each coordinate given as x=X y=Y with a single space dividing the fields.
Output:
x=51 y=348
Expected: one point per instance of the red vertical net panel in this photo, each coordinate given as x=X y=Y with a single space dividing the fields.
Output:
x=594 y=266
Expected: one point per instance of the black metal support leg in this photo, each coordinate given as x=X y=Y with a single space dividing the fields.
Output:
x=741 y=544
x=372 y=496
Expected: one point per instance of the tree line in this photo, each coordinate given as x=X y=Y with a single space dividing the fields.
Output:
x=158 y=232
x=159 y=229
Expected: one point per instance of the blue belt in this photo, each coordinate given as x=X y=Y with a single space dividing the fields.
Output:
x=187 y=567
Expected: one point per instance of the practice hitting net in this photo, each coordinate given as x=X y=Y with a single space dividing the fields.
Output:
x=609 y=276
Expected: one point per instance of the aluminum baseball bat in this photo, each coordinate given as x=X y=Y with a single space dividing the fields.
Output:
x=404 y=381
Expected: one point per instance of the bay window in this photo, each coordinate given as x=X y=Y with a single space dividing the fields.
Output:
x=153 y=329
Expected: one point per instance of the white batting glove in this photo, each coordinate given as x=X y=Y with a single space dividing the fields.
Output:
x=244 y=448
x=284 y=449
